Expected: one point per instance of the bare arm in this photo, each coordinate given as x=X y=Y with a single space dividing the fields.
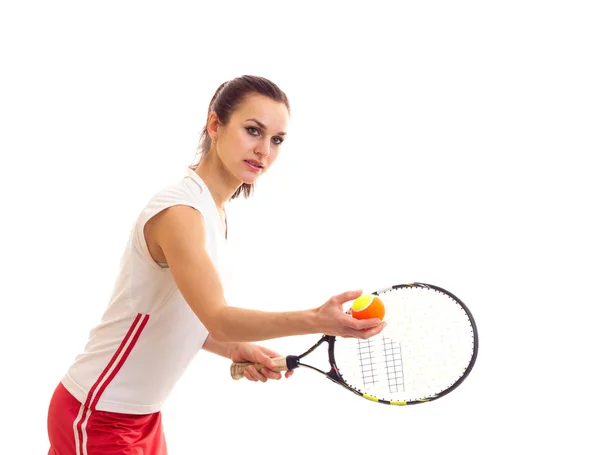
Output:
x=179 y=232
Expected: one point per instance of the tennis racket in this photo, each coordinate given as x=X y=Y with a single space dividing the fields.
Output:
x=426 y=351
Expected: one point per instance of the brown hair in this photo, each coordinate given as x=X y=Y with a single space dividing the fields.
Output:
x=224 y=102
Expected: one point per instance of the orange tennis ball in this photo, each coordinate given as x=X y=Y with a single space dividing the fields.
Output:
x=368 y=306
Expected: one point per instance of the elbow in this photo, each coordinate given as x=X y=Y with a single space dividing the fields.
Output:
x=219 y=335
x=217 y=328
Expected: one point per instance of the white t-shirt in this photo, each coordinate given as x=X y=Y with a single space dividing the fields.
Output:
x=148 y=334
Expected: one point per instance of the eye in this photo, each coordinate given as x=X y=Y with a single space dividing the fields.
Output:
x=278 y=140
x=253 y=130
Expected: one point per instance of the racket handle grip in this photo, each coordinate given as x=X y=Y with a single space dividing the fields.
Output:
x=237 y=369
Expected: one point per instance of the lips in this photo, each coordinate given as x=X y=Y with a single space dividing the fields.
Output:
x=255 y=164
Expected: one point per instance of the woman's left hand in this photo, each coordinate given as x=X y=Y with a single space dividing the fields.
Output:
x=249 y=352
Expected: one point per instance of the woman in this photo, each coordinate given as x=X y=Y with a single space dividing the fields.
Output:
x=168 y=301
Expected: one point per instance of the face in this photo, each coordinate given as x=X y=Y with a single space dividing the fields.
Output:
x=250 y=143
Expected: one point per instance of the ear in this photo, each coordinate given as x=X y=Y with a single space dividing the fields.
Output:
x=212 y=125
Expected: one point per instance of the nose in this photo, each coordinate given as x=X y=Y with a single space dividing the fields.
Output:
x=264 y=148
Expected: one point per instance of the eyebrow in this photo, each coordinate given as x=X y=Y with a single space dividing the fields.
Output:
x=262 y=125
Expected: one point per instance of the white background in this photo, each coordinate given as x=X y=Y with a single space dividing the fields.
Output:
x=445 y=142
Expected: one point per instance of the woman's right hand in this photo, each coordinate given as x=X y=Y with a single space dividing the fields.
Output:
x=332 y=320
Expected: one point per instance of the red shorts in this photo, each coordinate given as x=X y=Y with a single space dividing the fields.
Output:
x=75 y=430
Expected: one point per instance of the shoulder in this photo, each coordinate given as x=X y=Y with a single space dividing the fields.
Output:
x=189 y=188
x=181 y=203
x=187 y=191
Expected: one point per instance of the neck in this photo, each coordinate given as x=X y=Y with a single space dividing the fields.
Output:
x=218 y=179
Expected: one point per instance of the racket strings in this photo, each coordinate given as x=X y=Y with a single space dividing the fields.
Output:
x=367 y=364
x=393 y=365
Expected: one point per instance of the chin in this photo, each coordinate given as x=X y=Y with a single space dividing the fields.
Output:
x=244 y=175
x=249 y=179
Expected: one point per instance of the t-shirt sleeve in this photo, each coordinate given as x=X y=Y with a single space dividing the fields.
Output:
x=172 y=196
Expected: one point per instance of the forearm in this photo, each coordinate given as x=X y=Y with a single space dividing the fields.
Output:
x=243 y=325
x=222 y=348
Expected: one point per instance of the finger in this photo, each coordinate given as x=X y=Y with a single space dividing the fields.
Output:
x=363 y=324
x=346 y=296
x=247 y=375
x=270 y=374
x=289 y=373
x=266 y=361
x=255 y=374
x=368 y=333
x=259 y=375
